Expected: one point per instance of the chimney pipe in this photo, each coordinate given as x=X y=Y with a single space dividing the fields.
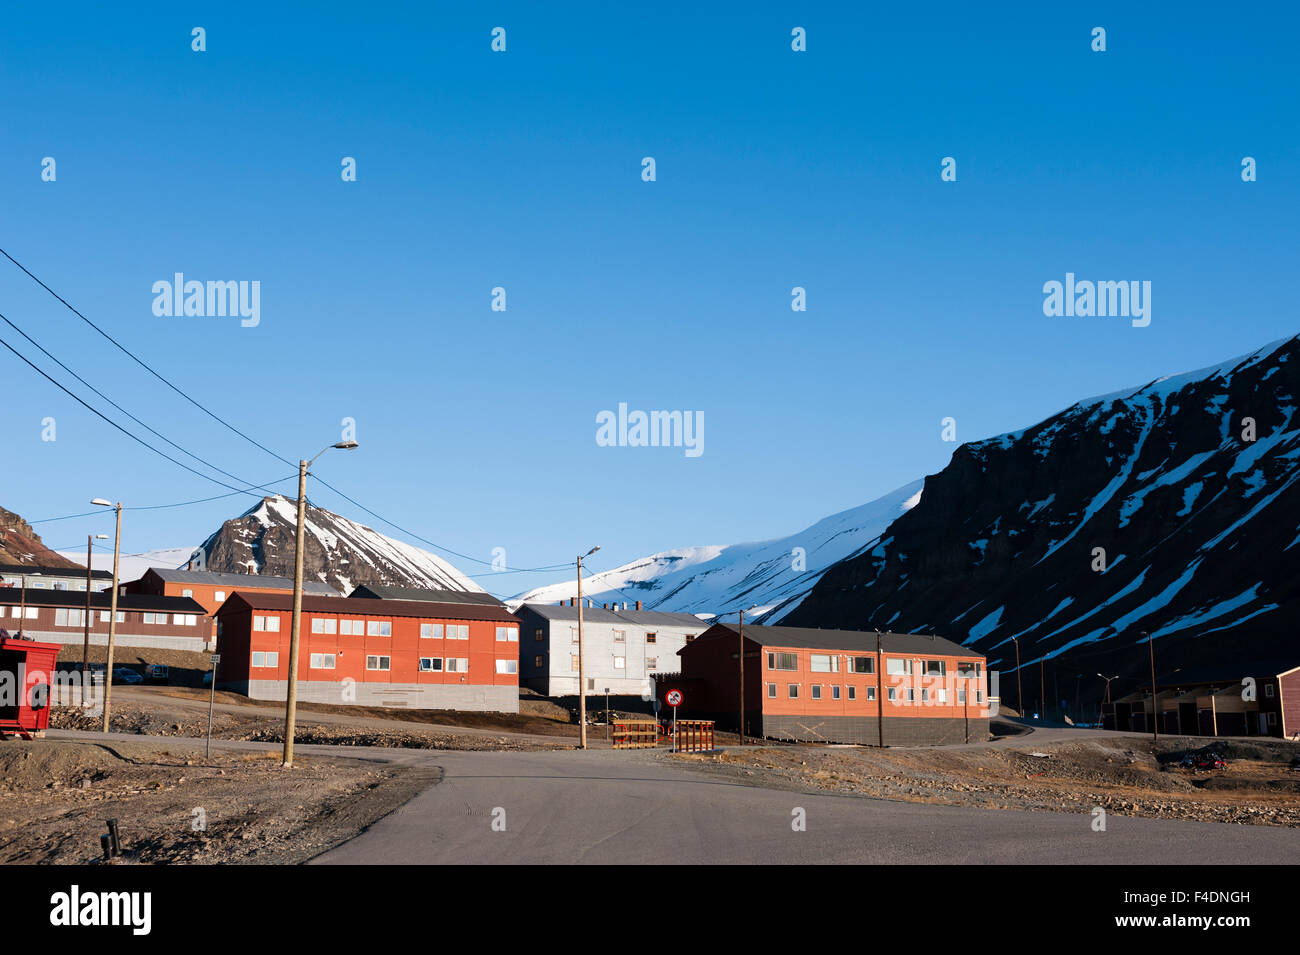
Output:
x=638 y=605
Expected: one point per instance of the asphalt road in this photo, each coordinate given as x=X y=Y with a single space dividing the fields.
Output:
x=626 y=807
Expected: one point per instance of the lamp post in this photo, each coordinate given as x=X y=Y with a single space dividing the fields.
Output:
x=112 y=604
x=1020 y=700
x=582 y=672
x=1102 y=716
x=85 y=644
x=1155 y=713
x=291 y=693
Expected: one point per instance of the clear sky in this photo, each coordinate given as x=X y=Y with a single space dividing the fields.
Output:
x=523 y=170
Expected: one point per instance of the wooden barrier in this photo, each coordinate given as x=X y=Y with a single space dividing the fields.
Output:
x=636 y=734
x=694 y=736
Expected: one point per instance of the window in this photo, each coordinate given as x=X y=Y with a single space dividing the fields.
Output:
x=825 y=663
x=69 y=618
x=573 y=662
x=379 y=628
x=792 y=690
x=896 y=666
x=270 y=658
x=507 y=633
x=651 y=638
x=835 y=693
x=322 y=661
x=862 y=665
x=377 y=662
x=943 y=696
x=1272 y=719
x=507 y=666
x=353 y=628
x=925 y=696
x=911 y=695
x=31 y=614
x=771 y=691
x=620 y=636
x=933 y=668
x=219 y=596
x=458 y=664
x=537 y=635
x=979 y=696
x=268 y=624
x=322 y=625
x=871 y=693
x=187 y=592
x=961 y=696
x=816 y=691
x=185 y=619
x=892 y=694
x=103 y=615
x=1268 y=690
x=967 y=669
x=690 y=637
x=620 y=663
x=782 y=661
x=457 y=631
x=539 y=662
x=853 y=693
x=651 y=663
x=430 y=664
x=431 y=631
x=153 y=617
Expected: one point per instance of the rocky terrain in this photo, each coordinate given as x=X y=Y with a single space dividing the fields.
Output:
x=19 y=544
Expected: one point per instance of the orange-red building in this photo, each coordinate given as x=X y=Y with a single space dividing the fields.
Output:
x=210 y=589
x=836 y=685
x=370 y=652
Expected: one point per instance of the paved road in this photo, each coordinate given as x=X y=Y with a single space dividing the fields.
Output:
x=621 y=807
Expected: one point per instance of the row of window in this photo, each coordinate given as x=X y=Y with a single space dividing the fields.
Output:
x=69 y=617
x=384 y=628
x=894 y=666
x=379 y=662
x=893 y=694
x=620 y=662
x=219 y=596
x=620 y=636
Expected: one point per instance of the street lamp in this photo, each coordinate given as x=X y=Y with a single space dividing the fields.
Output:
x=112 y=605
x=582 y=672
x=291 y=694
x=1107 y=698
x=85 y=645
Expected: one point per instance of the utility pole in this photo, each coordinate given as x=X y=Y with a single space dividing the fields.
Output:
x=112 y=614
x=1020 y=699
x=741 y=656
x=582 y=665
x=291 y=690
x=1101 y=717
x=1042 y=687
x=1155 y=716
x=85 y=640
x=880 y=691
x=22 y=607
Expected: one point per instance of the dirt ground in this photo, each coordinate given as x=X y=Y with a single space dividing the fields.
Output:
x=172 y=806
x=1124 y=775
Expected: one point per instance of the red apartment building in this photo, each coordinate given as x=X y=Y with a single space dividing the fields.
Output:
x=835 y=686
x=372 y=652
x=210 y=589
x=143 y=620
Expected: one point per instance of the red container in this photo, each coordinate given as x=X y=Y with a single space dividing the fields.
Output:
x=26 y=674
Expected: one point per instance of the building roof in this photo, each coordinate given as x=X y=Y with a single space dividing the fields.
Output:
x=861 y=640
x=262 y=600
x=100 y=600
x=640 y=618
x=390 y=592
x=239 y=581
x=1227 y=672
x=39 y=570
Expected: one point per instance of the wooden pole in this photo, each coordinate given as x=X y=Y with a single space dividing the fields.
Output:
x=880 y=691
x=291 y=689
x=582 y=672
x=112 y=615
x=1155 y=716
x=85 y=640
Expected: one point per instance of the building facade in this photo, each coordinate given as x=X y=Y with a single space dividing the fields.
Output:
x=210 y=589
x=835 y=686
x=53 y=578
x=1236 y=699
x=623 y=650
x=143 y=620
x=371 y=652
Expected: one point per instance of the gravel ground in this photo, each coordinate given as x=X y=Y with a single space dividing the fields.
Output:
x=173 y=806
x=1127 y=776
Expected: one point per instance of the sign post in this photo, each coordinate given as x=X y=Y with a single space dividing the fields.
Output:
x=212 y=698
x=674 y=699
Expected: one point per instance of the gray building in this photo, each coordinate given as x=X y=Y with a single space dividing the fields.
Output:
x=37 y=577
x=622 y=649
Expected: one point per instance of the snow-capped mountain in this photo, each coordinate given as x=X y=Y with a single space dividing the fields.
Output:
x=774 y=574
x=1170 y=508
x=133 y=566
x=337 y=551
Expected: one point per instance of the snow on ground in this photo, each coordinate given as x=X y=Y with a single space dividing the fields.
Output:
x=133 y=566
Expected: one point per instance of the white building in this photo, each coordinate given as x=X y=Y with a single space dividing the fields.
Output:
x=622 y=648
x=53 y=578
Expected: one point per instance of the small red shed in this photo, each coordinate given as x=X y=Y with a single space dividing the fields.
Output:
x=26 y=673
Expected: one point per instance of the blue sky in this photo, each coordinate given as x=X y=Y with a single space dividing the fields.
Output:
x=523 y=170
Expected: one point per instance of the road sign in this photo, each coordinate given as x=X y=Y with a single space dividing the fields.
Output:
x=216 y=658
x=673 y=698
